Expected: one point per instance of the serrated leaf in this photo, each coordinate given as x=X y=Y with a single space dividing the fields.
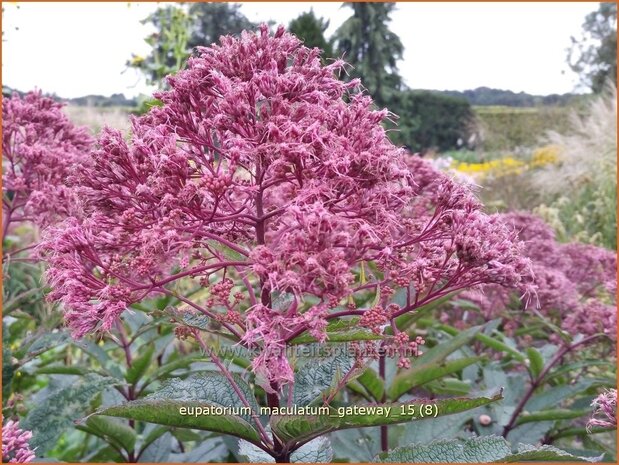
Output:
x=45 y=342
x=57 y=412
x=420 y=374
x=315 y=451
x=212 y=388
x=318 y=376
x=477 y=450
x=545 y=453
x=189 y=317
x=483 y=449
x=167 y=412
x=139 y=365
x=300 y=427
x=114 y=430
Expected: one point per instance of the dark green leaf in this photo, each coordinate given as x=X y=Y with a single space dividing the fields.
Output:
x=483 y=449
x=114 y=430
x=536 y=361
x=57 y=412
x=319 y=375
x=139 y=365
x=341 y=331
x=168 y=412
x=302 y=427
x=420 y=374
x=370 y=380
x=555 y=414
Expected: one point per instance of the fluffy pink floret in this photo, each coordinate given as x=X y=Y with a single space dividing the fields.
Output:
x=15 y=447
x=41 y=151
x=261 y=153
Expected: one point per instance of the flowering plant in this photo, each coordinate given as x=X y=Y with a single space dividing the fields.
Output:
x=262 y=209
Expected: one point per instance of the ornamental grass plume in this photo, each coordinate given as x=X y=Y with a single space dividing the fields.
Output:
x=604 y=410
x=41 y=150
x=15 y=447
x=262 y=170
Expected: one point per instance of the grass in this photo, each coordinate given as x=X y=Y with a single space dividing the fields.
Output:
x=98 y=117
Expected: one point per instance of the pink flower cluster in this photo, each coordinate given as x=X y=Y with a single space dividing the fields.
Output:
x=15 y=447
x=604 y=410
x=41 y=150
x=575 y=282
x=263 y=168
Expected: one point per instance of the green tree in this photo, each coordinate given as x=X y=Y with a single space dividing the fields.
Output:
x=373 y=50
x=209 y=21
x=594 y=55
x=169 y=44
x=310 y=30
x=432 y=121
x=179 y=29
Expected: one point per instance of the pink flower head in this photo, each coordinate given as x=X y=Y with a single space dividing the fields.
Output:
x=266 y=169
x=575 y=283
x=41 y=151
x=604 y=410
x=15 y=447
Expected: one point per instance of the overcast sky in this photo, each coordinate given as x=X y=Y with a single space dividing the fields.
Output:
x=74 y=49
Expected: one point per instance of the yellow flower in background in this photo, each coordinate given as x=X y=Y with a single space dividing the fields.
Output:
x=547 y=155
x=509 y=164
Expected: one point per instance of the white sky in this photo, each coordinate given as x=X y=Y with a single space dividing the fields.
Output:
x=74 y=49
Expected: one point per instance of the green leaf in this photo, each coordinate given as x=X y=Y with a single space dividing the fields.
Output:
x=315 y=451
x=500 y=346
x=536 y=361
x=319 y=375
x=158 y=450
x=140 y=365
x=448 y=386
x=431 y=358
x=441 y=351
x=341 y=331
x=303 y=427
x=405 y=321
x=483 y=449
x=57 y=412
x=211 y=387
x=168 y=412
x=420 y=374
x=116 y=431
x=477 y=450
x=554 y=414
x=545 y=454
x=169 y=367
x=8 y=370
x=373 y=384
x=61 y=370
x=43 y=343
